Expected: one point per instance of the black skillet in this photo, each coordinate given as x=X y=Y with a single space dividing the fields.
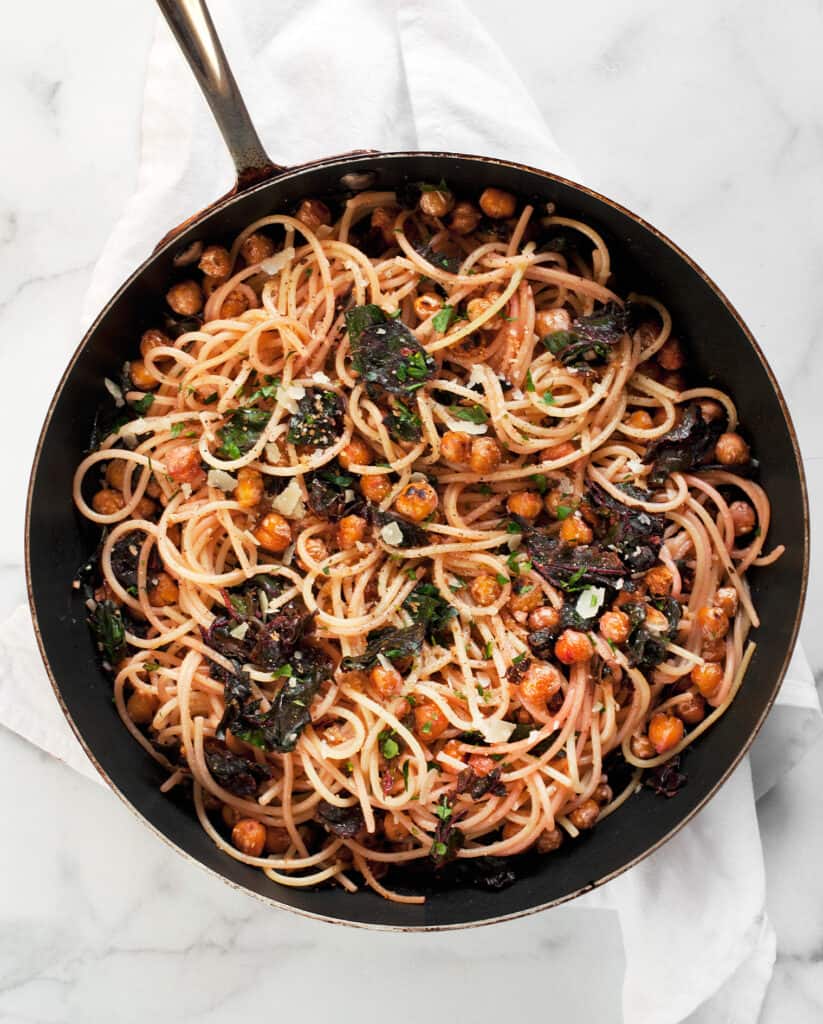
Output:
x=58 y=540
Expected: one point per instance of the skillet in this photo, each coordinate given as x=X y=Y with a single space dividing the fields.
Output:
x=58 y=541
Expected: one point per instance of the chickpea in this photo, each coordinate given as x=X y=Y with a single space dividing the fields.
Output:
x=525 y=503
x=107 y=502
x=482 y=765
x=549 y=840
x=550 y=321
x=692 y=709
x=393 y=830
x=142 y=379
x=387 y=681
x=603 y=794
x=183 y=465
x=584 y=816
x=464 y=219
x=273 y=532
x=427 y=305
x=485 y=455
x=575 y=530
x=731 y=450
x=560 y=451
x=655 y=621
x=573 y=646
x=671 y=356
x=355 y=453
x=417 y=501
x=249 y=836
x=743 y=517
x=659 y=581
x=674 y=381
x=316 y=549
x=452 y=748
x=527 y=599
x=641 y=420
x=256 y=247
x=163 y=590
x=235 y=304
x=313 y=213
x=477 y=307
x=557 y=499
x=153 y=339
x=215 y=261
x=714 y=622
x=429 y=721
x=710 y=409
x=185 y=298
x=642 y=747
x=249 y=489
x=713 y=650
x=544 y=617
x=539 y=682
x=116 y=474
x=707 y=678
x=497 y=204
x=436 y=203
x=141 y=707
x=455 y=446
x=375 y=487
x=144 y=509
x=230 y=815
x=382 y=220
x=350 y=530
x=726 y=599
x=485 y=590
x=278 y=839
x=615 y=626
x=665 y=731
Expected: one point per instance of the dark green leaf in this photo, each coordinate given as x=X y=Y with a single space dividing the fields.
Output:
x=107 y=625
x=241 y=432
x=318 y=420
x=389 y=641
x=443 y=319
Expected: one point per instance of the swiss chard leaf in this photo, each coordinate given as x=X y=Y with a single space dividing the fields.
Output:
x=391 y=642
x=427 y=607
x=635 y=533
x=413 y=536
x=106 y=624
x=390 y=360
x=318 y=420
x=567 y=567
x=345 y=822
x=685 y=446
x=359 y=318
x=238 y=775
x=402 y=422
x=469 y=413
x=667 y=779
x=242 y=431
x=327 y=493
x=479 y=786
x=591 y=336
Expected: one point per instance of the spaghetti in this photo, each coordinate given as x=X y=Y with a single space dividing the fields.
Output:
x=415 y=535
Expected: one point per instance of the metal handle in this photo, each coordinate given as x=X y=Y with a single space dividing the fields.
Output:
x=194 y=31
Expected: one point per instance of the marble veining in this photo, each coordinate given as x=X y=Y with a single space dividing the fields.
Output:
x=706 y=119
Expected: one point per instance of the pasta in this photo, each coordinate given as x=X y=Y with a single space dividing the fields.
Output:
x=420 y=546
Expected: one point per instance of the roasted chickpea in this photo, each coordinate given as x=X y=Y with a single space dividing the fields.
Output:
x=153 y=339
x=549 y=840
x=249 y=836
x=640 y=419
x=659 y=581
x=707 y=678
x=436 y=203
x=691 y=709
x=485 y=455
x=665 y=731
x=350 y=530
x=316 y=549
x=427 y=305
x=375 y=487
x=163 y=590
x=313 y=213
x=743 y=517
x=477 y=307
x=655 y=621
x=713 y=650
x=525 y=503
x=278 y=839
x=382 y=220
x=540 y=681
x=393 y=830
x=558 y=502
x=455 y=446
x=482 y=765
x=497 y=204
x=526 y=599
x=249 y=489
x=575 y=530
x=141 y=377
x=560 y=450
x=714 y=622
x=235 y=304
x=710 y=409
x=544 y=617
x=464 y=219
x=273 y=532
x=731 y=450
x=116 y=474
x=485 y=590
x=726 y=598
x=355 y=453
x=674 y=381
x=256 y=247
x=603 y=794
x=429 y=721
x=452 y=748
x=417 y=501
x=144 y=509
x=642 y=747
x=585 y=816
x=573 y=646
x=671 y=356
x=183 y=465
x=615 y=626
x=107 y=502
x=141 y=707
x=185 y=298
x=550 y=321
x=215 y=261
x=387 y=681
x=230 y=815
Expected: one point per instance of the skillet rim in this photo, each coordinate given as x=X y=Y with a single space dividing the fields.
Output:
x=170 y=240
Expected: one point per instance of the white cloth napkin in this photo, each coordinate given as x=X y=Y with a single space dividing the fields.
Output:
x=322 y=77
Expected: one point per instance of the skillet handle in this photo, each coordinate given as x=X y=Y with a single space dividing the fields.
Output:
x=196 y=36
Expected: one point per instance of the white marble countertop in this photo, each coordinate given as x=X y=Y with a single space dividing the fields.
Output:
x=706 y=119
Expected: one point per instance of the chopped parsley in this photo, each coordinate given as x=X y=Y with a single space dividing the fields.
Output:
x=443 y=319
